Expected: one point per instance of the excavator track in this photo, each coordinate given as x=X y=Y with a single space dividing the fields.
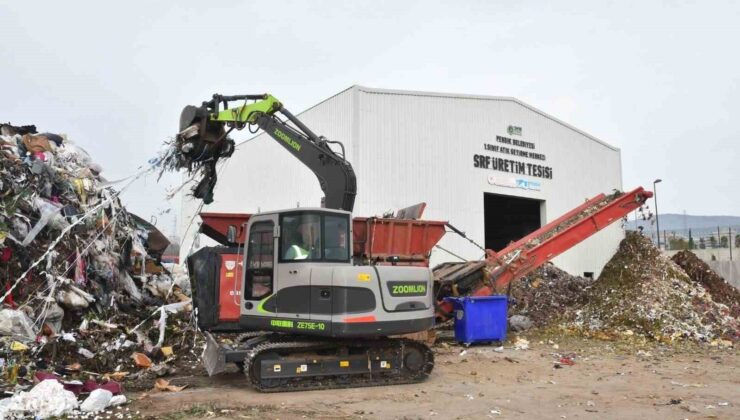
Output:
x=314 y=364
x=247 y=335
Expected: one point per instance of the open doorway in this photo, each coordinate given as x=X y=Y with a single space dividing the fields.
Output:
x=509 y=218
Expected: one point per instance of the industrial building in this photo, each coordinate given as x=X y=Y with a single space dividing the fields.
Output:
x=494 y=167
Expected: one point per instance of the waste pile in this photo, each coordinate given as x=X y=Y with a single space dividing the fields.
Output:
x=643 y=292
x=546 y=295
x=700 y=272
x=86 y=305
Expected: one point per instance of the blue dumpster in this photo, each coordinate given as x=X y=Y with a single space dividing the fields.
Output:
x=480 y=318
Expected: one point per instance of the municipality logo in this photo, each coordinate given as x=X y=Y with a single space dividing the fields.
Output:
x=528 y=185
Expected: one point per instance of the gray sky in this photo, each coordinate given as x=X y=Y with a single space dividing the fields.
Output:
x=657 y=79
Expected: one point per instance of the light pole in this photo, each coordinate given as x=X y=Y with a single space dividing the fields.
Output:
x=655 y=197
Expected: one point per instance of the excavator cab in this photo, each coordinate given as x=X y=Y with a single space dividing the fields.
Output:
x=299 y=276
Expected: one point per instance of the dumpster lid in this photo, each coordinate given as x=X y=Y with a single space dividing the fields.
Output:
x=457 y=299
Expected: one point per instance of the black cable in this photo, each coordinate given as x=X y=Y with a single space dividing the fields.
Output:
x=464 y=236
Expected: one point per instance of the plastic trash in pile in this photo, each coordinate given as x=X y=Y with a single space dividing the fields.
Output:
x=46 y=399
x=98 y=400
x=546 y=295
x=47 y=183
x=89 y=288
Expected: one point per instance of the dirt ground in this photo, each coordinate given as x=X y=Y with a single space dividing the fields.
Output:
x=608 y=380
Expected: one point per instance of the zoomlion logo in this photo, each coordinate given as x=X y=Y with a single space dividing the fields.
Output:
x=284 y=137
x=408 y=289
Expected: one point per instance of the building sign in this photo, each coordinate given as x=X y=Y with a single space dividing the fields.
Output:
x=514 y=130
x=510 y=182
x=506 y=159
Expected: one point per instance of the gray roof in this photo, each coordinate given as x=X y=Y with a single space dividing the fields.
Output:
x=467 y=96
x=366 y=89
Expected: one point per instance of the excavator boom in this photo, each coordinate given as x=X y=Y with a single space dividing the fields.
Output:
x=203 y=139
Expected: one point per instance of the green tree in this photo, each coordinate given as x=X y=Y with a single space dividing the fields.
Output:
x=712 y=242
x=737 y=241
x=702 y=243
x=692 y=245
x=676 y=243
x=724 y=242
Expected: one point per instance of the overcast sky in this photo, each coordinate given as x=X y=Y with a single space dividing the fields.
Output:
x=657 y=79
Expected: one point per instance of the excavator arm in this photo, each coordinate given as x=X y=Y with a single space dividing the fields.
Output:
x=204 y=136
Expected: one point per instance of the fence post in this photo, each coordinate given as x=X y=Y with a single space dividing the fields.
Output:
x=719 y=240
x=665 y=239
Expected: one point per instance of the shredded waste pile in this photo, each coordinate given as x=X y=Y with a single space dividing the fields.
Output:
x=86 y=304
x=643 y=292
x=546 y=295
x=640 y=292
x=700 y=272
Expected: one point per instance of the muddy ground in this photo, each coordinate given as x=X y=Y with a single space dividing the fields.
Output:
x=608 y=380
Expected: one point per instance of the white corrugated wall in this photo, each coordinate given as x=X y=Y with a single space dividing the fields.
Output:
x=419 y=147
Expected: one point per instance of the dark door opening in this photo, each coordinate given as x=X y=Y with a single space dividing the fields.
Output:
x=509 y=219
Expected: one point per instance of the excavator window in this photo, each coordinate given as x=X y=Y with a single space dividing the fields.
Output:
x=313 y=236
x=259 y=261
x=336 y=234
x=301 y=237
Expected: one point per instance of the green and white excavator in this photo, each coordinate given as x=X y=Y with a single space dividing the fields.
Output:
x=310 y=318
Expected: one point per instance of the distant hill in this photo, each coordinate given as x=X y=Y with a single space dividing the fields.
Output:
x=679 y=223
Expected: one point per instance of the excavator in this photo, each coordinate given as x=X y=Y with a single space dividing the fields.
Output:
x=314 y=320
x=312 y=298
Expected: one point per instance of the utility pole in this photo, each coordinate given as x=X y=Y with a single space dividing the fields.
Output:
x=719 y=239
x=657 y=221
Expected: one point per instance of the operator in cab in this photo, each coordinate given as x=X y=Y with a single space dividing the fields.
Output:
x=337 y=246
x=305 y=243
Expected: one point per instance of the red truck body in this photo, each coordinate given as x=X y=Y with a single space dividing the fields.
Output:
x=374 y=240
